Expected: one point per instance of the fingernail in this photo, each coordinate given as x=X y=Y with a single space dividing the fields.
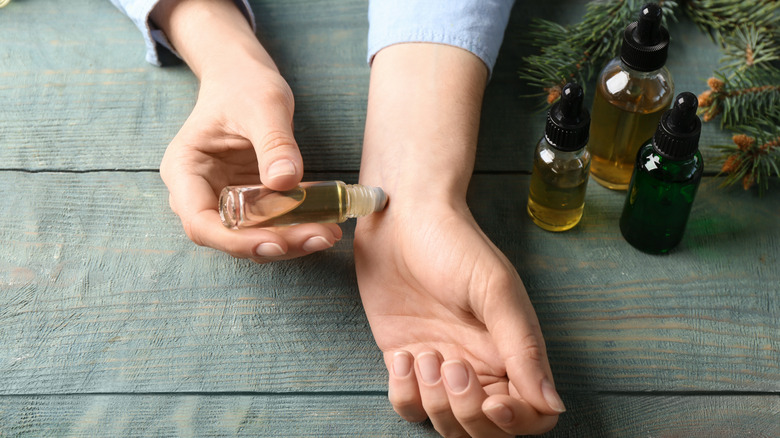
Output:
x=551 y=397
x=456 y=376
x=499 y=414
x=269 y=249
x=402 y=364
x=316 y=243
x=429 y=368
x=282 y=167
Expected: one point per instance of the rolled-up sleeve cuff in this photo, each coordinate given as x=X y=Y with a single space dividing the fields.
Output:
x=158 y=48
x=474 y=25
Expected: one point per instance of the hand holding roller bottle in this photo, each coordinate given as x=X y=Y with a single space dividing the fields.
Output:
x=310 y=202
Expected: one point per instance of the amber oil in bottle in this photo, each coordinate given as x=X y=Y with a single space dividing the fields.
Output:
x=556 y=197
x=310 y=202
x=632 y=92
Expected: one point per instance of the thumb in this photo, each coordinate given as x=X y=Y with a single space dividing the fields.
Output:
x=278 y=158
x=517 y=336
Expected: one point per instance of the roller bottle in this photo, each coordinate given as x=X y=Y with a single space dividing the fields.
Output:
x=561 y=161
x=310 y=202
x=668 y=170
x=632 y=92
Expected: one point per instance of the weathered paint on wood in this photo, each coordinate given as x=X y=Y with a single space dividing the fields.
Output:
x=644 y=320
x=73 y=81
x=309 y=415
x=102 y=292
x=113 y=323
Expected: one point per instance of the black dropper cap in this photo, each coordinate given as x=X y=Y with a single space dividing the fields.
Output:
x=677 y=136
x=645 y=42
x=568 y=123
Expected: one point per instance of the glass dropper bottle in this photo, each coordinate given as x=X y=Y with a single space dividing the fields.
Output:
x=556 y=197
x=632 y=92
x=667 y=174
x=310 y=202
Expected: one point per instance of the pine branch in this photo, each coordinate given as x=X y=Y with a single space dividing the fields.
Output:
x=579 y=51
x=752 y=160
x=749 y=46
x=720 y=18
x=747 y=98
x=745 y=92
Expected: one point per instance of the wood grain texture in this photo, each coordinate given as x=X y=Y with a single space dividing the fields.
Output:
x=279 y=415
x=663 y=322
x=73 y=82
x=112 y=323
x=100 y=291
x=71 y=87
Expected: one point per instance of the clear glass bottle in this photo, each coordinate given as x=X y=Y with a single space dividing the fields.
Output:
x=667 y=174
x=310 y=202
x=556 y=197
x=632 y=92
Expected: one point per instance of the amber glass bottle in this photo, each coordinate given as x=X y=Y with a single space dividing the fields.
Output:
x=666 y=177
x=561 y=160
x=632 y=92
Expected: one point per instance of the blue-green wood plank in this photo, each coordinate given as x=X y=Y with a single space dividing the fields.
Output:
x=652 y=321
x=100 y=291
x=74 y=82
x=335 y=415
x=77 y=93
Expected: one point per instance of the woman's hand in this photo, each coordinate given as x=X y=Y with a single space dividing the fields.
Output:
x=240 y=132
x=459 y=336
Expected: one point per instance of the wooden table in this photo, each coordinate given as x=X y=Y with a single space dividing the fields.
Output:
x=113 y=323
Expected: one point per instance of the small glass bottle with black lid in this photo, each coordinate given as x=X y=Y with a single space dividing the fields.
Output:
x=561 y=164
x=632 y=92
x=667 y=173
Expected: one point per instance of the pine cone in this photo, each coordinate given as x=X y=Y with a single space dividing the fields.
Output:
x=732 y=164
x=744 y=142
x=748 y=181
x=715 y=84
x=705 y=99
x=553 y=93
x=711 y=114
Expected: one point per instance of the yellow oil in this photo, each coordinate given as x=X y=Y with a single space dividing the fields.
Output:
x=627 y=107
x=556 y=199
x=616 y=133
x=316 y=203
x=311 y=202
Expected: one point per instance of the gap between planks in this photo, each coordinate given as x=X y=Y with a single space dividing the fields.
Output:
x=697 y=393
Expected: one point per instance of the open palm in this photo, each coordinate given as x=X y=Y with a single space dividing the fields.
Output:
x=437 y=293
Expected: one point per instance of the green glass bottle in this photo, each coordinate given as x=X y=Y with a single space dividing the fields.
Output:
x=667 y=173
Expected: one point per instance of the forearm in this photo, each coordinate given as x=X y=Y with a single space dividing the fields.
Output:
x=210 y=34
x=423 y=120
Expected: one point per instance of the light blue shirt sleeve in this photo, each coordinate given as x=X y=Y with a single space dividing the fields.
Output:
x=155 y=39
x=475 y=25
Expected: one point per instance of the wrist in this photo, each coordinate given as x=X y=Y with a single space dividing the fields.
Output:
x=209 y=35
x=422 y=122
x=411 y=177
